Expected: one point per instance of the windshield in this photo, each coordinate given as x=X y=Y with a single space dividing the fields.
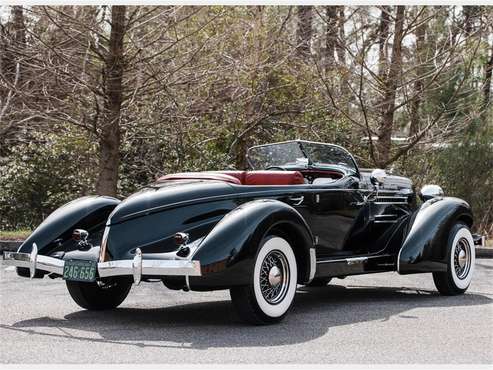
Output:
x=300 y=154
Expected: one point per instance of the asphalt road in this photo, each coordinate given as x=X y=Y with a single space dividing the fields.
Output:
x=380 y=318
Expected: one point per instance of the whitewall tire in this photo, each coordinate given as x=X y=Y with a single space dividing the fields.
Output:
x=271 y=291
x=461 y=257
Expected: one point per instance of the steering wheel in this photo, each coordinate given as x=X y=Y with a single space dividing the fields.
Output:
x=276 y=168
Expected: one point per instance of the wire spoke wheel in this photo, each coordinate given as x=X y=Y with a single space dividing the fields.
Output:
x=462 y=258
x=274 y=277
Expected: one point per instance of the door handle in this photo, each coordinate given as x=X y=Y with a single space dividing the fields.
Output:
x=366 y=199
x=296 y=200
x=357 y=204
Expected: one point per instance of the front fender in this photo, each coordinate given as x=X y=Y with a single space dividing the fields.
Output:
x=425 y=246
x=227 y=254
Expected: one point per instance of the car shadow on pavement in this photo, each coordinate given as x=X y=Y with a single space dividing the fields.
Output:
x=214 y=324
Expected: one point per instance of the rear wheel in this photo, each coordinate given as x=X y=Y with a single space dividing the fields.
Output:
x=271 y=291
x=461 y=257
x=99 y=296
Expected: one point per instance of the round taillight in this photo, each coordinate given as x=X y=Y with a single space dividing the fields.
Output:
x=181 y=238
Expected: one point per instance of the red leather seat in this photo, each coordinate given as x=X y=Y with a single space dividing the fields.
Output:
x=273 y=178
x=240 y=175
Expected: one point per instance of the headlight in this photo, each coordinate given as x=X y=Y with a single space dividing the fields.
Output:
x=430 y=191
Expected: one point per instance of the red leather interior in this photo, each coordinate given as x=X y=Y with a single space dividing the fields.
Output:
x=240 y=175
x=243 y=177
x=273 y=178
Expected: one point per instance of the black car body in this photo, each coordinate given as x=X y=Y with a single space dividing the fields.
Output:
x=205 y=231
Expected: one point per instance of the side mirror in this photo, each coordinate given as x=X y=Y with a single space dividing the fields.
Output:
x=378 y=176
x=428 y=192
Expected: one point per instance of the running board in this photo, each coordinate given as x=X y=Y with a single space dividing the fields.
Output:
x=354 y=265
x=349 y=261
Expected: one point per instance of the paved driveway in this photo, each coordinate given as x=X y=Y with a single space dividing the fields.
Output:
x=380 y=318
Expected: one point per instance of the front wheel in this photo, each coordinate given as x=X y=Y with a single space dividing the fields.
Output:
x=269 y=295
x=461 y=257
x=99 y=296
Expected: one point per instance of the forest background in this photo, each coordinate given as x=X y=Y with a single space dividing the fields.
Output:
x=103 y=99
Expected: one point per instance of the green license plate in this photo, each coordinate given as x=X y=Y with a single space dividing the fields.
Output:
x=80 y=270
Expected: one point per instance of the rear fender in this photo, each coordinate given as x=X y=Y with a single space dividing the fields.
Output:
x=227 y=253
x=90 y=212
x=425 y=247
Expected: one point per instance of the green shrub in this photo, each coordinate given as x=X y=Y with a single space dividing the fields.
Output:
x=41 y=175
x=466 y=171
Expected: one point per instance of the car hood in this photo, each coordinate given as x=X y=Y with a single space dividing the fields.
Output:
x=166 y=195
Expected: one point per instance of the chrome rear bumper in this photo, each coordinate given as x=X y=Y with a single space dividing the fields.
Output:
x=136 y=267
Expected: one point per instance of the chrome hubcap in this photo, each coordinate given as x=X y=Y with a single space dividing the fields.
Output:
x=274 y=277
x=462 y=258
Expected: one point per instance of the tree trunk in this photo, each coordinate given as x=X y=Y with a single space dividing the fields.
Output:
x=420 y=72
x=241 y=142
x=340 y=44
x=470 y=13
x=341 y=57
x=240 y=150
x=390 y=85
x=109 y=142
x=17 y=44
x=487 y=80
x=383 y=35
x=304 y=31
x=330 y=37
x=18 y=24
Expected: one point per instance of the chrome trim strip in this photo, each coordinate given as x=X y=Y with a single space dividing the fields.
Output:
x=399 y=260
x=104 y=243
x=383 y=203
x=44 y=263
x=390 y=218
x=313 y=264
x=33 y=257
x=332 y=261
x=356 y=260
x=150 y=267
x=135 y=267
x=187 y=282
x=352 y=260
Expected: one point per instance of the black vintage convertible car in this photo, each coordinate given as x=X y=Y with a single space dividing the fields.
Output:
x=303 y=214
